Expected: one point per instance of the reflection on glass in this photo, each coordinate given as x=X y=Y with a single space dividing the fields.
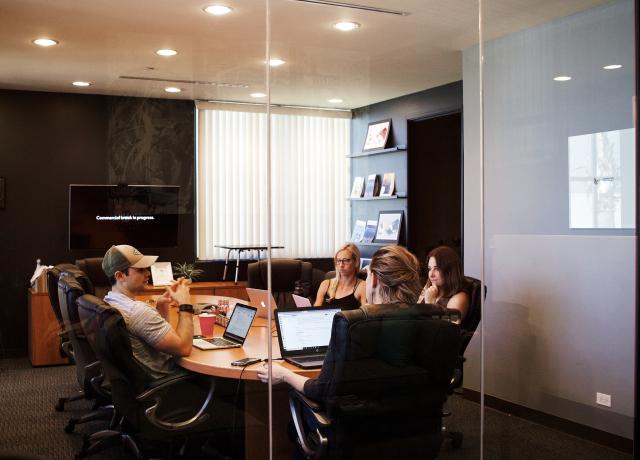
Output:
x=601 y=180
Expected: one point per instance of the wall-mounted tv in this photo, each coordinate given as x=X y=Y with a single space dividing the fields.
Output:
x=144 y=216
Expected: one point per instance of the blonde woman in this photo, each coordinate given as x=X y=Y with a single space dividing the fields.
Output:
x=346 y=290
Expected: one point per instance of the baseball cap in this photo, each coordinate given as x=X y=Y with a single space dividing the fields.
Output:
x=119 y=258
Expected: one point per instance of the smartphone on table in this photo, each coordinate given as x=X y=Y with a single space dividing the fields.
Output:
x=245 y=362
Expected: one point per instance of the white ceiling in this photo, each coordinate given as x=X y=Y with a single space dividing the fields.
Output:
x=389 y=56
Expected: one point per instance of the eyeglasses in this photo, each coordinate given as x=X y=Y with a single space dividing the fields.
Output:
x=343 y=261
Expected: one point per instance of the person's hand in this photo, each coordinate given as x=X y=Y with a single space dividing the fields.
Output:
x=163 y=303
x=179 y=291
x=431 y=294
x=278 y=373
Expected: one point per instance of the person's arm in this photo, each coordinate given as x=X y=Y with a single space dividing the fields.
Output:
x=180 y=341
x=163 y=304
x=361 y=292
x=281 y=374
x=460 y=302
x=322 y=291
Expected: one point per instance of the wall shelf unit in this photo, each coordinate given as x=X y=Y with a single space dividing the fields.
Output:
x=400 y=148
x=373 y=198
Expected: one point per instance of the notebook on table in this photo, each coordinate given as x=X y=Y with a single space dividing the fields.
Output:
x=236 y=332
x=304 y=334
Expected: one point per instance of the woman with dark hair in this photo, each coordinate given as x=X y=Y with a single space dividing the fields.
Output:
x=445 y=283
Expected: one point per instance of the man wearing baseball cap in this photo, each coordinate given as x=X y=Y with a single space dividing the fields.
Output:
x=153 y=341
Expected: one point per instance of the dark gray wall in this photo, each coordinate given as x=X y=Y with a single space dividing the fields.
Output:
x=51 y=140
x=434 y=101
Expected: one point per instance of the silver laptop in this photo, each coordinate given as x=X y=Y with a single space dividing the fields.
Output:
x=304 y=334
x=236 y=332
x=259 y=298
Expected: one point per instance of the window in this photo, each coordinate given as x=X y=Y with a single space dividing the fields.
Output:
x=310 y=179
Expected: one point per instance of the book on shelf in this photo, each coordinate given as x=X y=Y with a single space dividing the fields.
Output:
x=358 y=187
x=388 y=184
x=358 y=231
x=370 y=231
x=373 y=186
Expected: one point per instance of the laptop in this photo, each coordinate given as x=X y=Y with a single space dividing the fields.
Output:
x=300 y=301
x=259 y=298
x=236 y=332
x=304 y=334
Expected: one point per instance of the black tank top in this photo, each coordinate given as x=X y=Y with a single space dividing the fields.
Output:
x=348 y=301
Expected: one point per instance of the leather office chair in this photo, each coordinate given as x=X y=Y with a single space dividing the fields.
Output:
x=88 y=368
x=383 y=383
x=287 y=275
x=468 y=327
x=152 y=411
x=362 y=274
x=92 y=267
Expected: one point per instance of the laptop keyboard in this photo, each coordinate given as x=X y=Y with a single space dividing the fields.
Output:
x=220 y=342
x=309 y=359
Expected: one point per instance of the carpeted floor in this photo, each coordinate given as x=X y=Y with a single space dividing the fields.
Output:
x=30 y=426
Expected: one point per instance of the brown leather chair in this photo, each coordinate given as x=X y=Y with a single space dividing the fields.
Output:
x=288 y=276
x=92 y=267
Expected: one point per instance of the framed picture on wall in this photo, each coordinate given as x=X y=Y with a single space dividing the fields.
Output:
x=389 y=225
x=364 y=262
x=377 y=135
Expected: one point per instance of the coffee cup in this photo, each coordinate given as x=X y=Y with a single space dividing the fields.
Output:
x=207 y=322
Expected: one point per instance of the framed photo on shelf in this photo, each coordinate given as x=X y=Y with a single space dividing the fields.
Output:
x=388 y=184
x=377 y=135
x=364 y=263
x=389 y=226
x=358 y=187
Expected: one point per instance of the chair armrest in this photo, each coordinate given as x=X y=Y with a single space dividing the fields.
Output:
x=67 y=349
x=297 y=403
x=157 y=391
x=97 y=381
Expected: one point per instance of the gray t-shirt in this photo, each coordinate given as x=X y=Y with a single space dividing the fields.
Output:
x=146 y=328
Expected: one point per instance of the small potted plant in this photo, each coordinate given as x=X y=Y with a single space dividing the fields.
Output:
x=185 y=270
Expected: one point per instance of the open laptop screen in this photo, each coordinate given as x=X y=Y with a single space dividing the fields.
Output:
x=240 y=322
x=305 y=330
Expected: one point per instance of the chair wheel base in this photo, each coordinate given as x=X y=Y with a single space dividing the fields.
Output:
x=70 y=426
x=60 y=405
x=456 y=440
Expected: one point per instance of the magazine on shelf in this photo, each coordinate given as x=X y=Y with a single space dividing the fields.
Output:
x=370 y=231
x=373 y=186
x=358 y=187
x=388 y=184
x=358 y=231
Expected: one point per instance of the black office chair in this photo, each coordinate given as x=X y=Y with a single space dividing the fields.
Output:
x=288 y=276
x=382 y=386
x=71 y=285
x=468 y=327
x=92 y=267
x=153 y=412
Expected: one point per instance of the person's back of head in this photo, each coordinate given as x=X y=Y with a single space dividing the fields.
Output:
x=394 y=276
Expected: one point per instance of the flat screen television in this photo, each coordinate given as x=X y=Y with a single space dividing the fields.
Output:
x=144 y=216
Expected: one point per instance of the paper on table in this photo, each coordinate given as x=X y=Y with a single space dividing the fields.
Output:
x=161 y=274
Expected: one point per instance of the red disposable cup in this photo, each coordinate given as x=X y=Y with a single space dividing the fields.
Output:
x=207 y=322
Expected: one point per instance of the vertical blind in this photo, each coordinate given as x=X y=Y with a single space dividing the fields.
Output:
x=310 y=180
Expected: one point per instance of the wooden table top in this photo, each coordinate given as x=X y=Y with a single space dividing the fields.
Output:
x=218 y=362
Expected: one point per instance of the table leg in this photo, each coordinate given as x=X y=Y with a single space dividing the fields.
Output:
x=226 y=263
x=237 y=265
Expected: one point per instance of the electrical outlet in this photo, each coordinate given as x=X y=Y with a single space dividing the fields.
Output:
x=603 y=399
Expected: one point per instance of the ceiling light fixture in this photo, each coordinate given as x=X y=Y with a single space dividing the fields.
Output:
x=346 y=26
x=354 y=6
x=276 y=62
x=562 y=78
x=81 y=83
x=612 y=67
x=173 y=89
x=335 y=100
x=166 y=52
x=45 y=42
x=218 y=10
x=257 y=95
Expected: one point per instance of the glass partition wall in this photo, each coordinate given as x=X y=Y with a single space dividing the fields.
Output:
x=550 y=225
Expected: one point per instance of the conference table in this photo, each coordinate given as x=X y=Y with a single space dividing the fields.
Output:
x=217 y=363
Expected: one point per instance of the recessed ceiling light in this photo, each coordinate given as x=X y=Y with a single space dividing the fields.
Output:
x=166 y=52
x=335 y=100
x=562 y=78
x=258 y=95
x=46 y=42
x=276 y=62
x=612 y=67
x=218 y=10
x=81 y=83
x=172 y=89
x=346 y=26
